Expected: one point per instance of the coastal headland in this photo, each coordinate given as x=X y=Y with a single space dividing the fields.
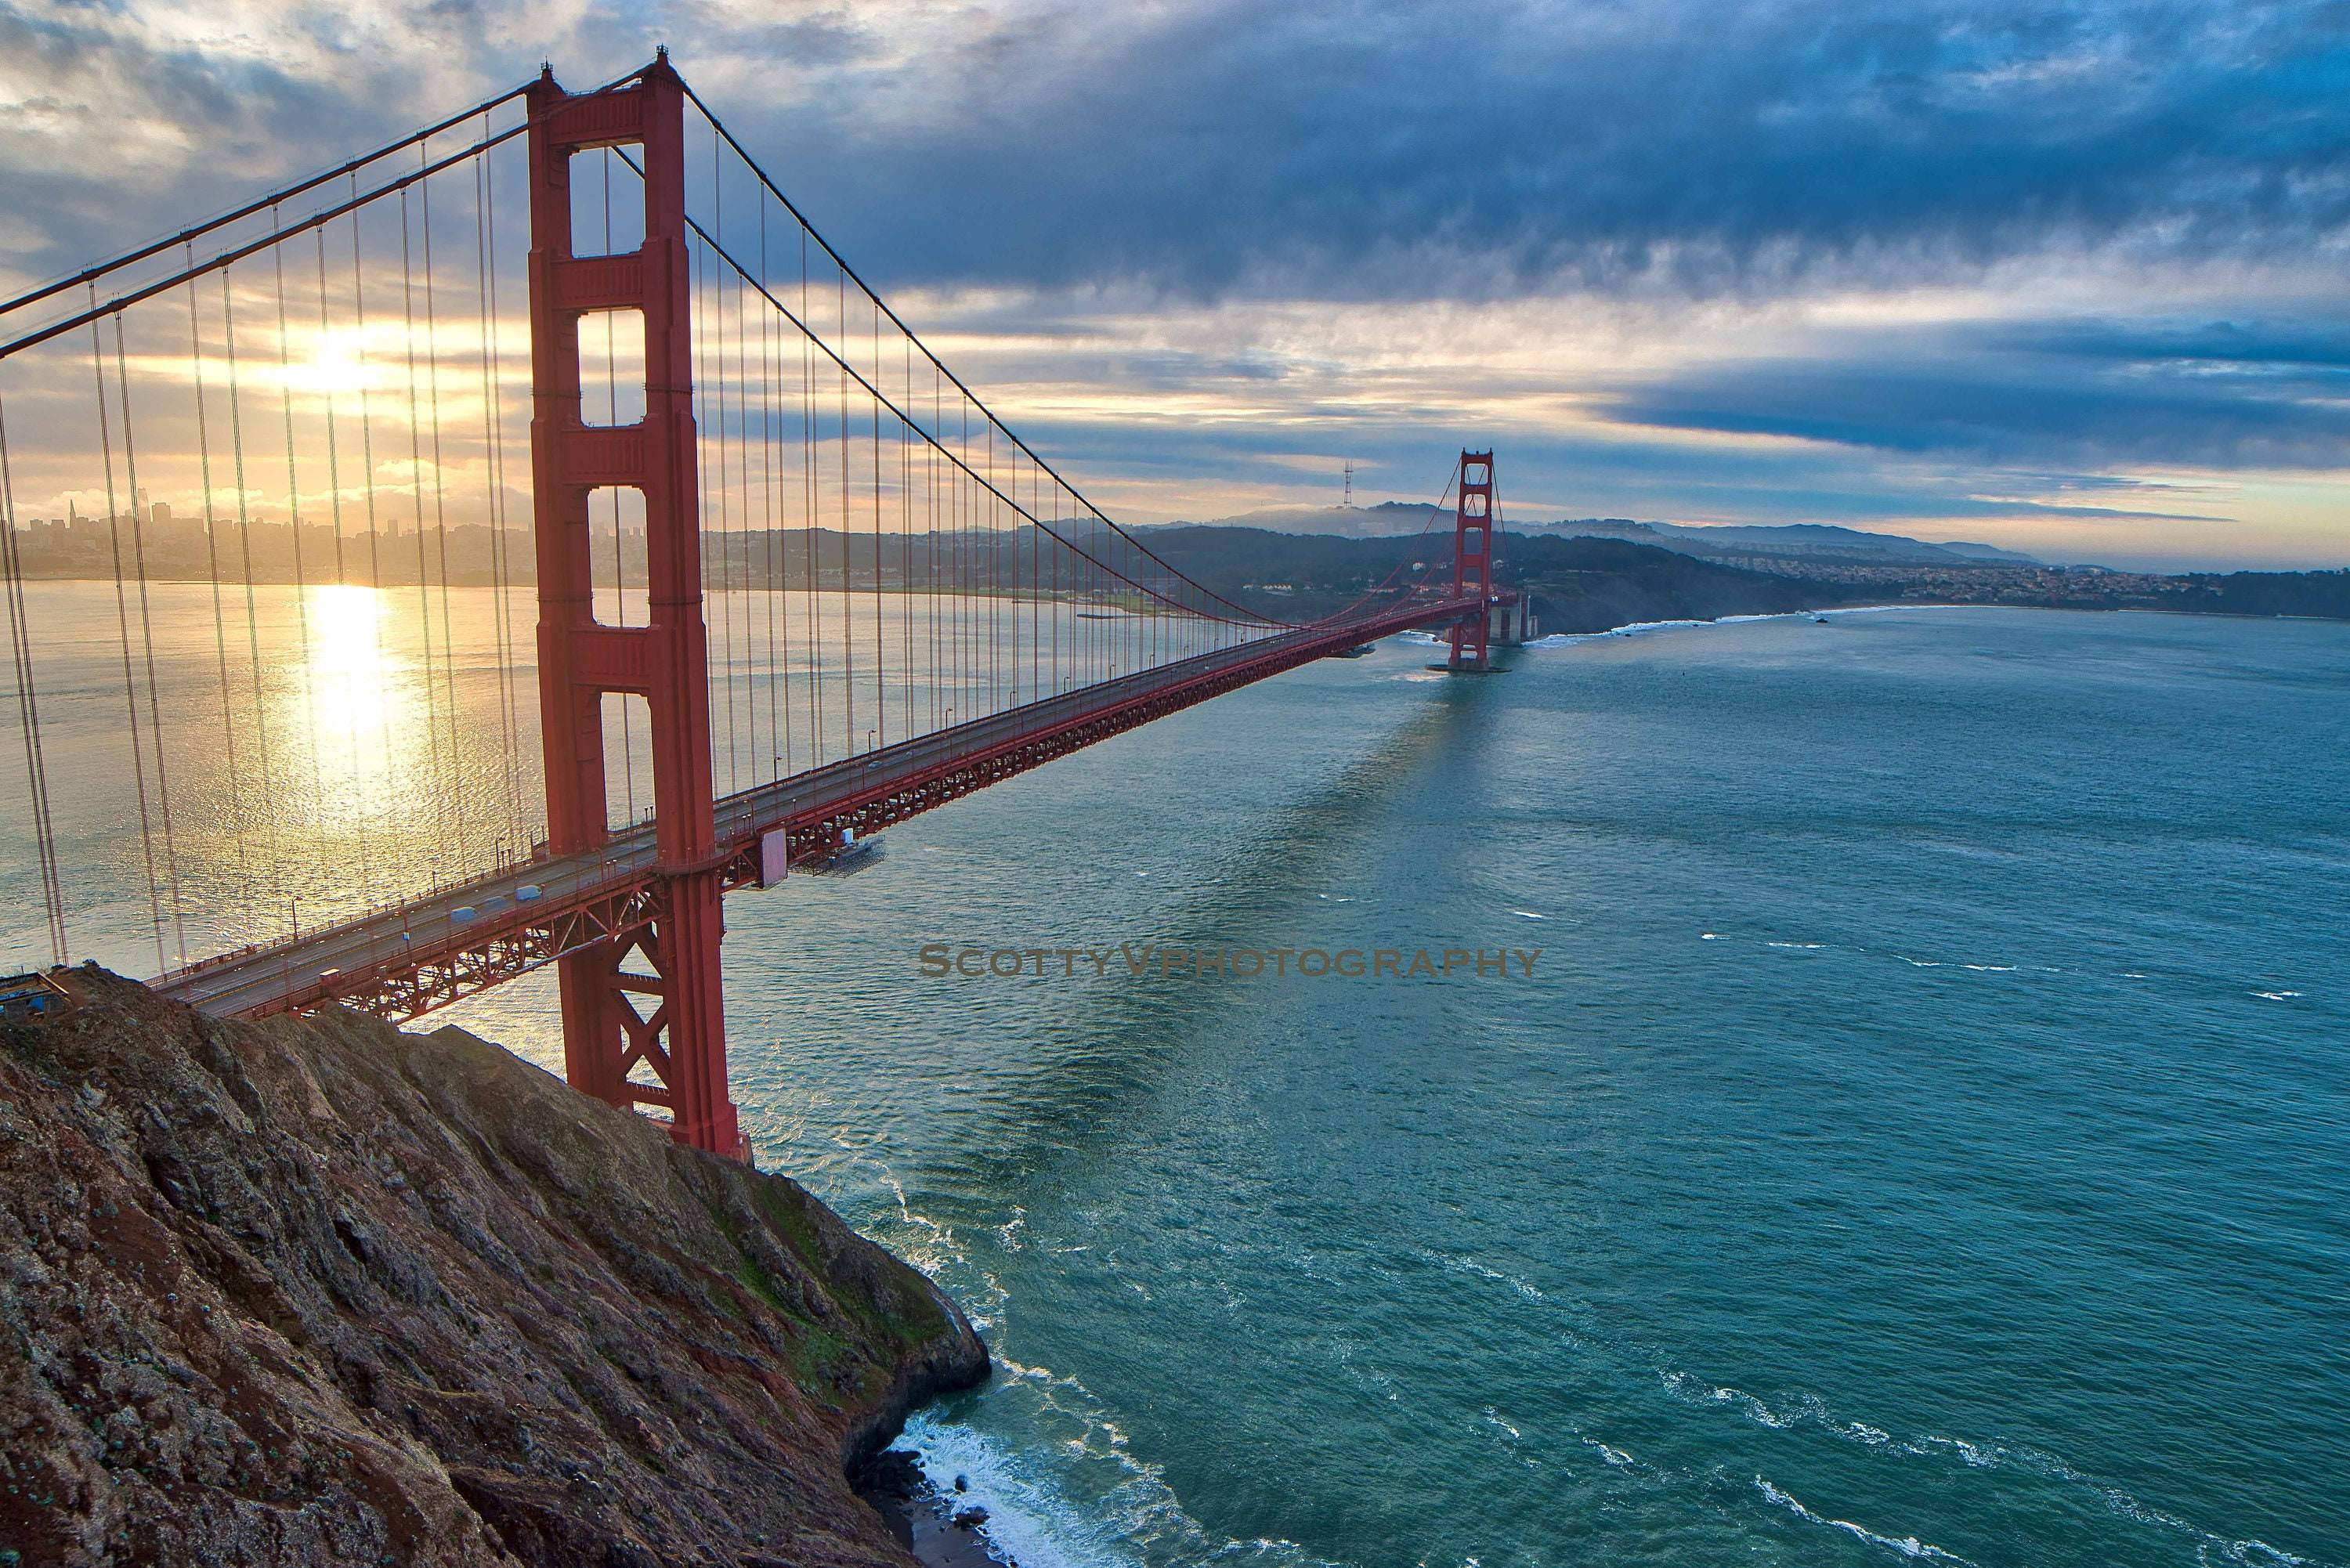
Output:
x=316 y=1290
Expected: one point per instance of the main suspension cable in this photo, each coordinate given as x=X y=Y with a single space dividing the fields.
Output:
x=850 y=373
x=188 y=237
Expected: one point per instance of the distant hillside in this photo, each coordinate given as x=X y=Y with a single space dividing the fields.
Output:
x=1586 y=584
x=1804 y=540
x=2323 y=595
x=1386 y=520
x=1583 y=582
x=1818 y=541
x=1580 y=584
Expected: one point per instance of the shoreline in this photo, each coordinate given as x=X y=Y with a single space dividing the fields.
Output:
x=924 y=1519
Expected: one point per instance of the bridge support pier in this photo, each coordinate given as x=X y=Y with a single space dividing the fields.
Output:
x=607 y=1034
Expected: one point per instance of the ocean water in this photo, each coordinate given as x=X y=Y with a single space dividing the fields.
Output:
x=1923 y=1133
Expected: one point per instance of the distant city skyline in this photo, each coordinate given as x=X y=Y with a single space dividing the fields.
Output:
x=2063 y=279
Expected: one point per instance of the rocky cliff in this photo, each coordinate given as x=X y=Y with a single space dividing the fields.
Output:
x=319 y=1291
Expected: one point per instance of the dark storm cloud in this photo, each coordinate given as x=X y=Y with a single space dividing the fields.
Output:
x=1407 y=149
x=120 y=133
x=2084 y=393
x=1486 y=148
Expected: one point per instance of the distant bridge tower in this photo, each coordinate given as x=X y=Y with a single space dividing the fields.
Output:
x=1472 y=559
x=605 y=1036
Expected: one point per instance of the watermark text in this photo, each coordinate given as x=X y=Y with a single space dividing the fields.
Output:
x=1169 y=961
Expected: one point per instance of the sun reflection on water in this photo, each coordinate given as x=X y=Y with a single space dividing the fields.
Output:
x=351 y=673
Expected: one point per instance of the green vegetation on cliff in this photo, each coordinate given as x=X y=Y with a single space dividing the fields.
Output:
x=319 y=1291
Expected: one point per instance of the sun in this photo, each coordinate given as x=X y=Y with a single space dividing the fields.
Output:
x=336 y=367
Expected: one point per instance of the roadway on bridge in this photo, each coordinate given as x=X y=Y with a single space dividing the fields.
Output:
x=257 y=981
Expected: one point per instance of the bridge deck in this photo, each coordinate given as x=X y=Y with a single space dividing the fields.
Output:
x=407 y=960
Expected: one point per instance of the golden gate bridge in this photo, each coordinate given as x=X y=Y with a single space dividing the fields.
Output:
x=911 y=603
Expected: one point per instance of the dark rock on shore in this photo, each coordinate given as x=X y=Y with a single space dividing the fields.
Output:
x=939 y=1530
x=318 y=1292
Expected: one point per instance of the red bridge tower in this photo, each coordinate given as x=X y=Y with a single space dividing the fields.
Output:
x=682 y=1040
x=1472 y=559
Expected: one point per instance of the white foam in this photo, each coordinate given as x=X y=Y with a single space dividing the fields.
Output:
x=1805 y=947
x=2251 y=1552
x=1024 y=1517
x=2273 y=995
x=1712 y=936
x=1459 y=1265
x=1530 y=915
x=1908 y=1545
x=1633 y=629
x=1761 y=1414
x=1642 y=627
x=1073 y=1494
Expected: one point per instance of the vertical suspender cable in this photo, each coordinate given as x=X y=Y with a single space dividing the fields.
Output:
x=930 y=510
x=293 y=523
x=366 y=464
x=423 y=575
x=335 y=499
x=508 y=741
x=271 y=806
x=881 y=656
x=908 y=727
x=147 y=641
x=334 y=453
x=441 y=516
x=123 y=620
x=220 y=620
x=767 y=595
x=847 y=532
x=715 y=366
x=728 y=476
x=519 y=762
x=809 y=509
x=28 y=711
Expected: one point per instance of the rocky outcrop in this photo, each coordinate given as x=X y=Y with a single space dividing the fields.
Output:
x=316 y=1292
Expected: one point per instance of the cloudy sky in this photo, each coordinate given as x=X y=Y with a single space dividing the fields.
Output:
x=2064 y=276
